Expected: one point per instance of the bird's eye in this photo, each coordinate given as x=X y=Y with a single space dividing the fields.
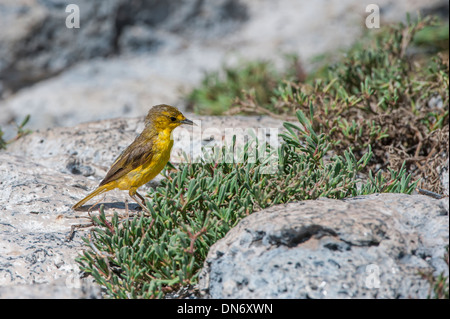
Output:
x=173 y=119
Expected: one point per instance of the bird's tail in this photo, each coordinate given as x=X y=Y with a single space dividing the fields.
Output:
x=98 y=191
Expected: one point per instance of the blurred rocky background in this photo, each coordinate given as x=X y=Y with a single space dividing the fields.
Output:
x=129 y=55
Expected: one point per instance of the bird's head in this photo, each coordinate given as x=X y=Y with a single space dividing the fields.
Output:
x=163 y=117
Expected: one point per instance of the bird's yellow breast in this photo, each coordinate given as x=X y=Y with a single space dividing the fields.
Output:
x=147 y=171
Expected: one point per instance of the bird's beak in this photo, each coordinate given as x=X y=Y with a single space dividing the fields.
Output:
x=188 y=122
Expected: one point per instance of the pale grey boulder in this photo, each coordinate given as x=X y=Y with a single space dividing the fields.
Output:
x=71 y=287
x=35 y=42
x=365 y=247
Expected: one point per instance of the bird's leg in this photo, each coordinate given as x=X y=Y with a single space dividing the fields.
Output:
x=127 y=213
x=141 y=197
x=133 y=196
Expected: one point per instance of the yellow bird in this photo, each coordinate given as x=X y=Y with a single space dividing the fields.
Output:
x=145 y=157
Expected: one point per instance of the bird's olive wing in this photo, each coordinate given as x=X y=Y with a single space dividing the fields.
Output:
x=138 y=153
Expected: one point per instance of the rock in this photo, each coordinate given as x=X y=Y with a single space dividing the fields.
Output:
x=444 y=178
x=143 y=20
x=364 y=247
x=39 y=45
x=35 y=220
x=105 y=89
x=72 y=287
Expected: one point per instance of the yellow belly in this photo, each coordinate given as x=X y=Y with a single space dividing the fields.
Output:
x=146 y=172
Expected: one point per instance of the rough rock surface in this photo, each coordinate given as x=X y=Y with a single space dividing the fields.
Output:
x=35 y=42
x=72 y=287
x=444 y=178
x=35 y=220
x=364 y=247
